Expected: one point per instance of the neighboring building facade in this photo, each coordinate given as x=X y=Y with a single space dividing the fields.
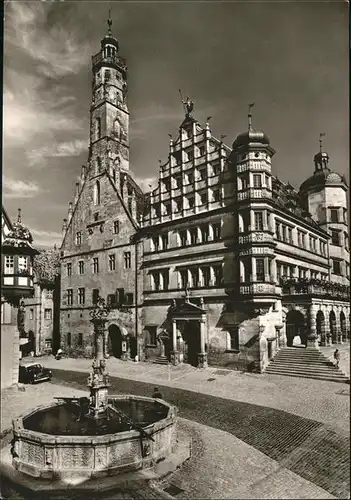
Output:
x=221 y=263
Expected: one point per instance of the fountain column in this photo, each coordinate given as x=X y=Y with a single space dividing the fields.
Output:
x=98 y=380
x=175 y=353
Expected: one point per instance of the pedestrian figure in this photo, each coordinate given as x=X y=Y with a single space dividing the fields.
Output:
x=157 y=394
x=337 y=357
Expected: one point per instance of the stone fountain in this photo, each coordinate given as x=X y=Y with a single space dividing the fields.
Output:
x=85 y=444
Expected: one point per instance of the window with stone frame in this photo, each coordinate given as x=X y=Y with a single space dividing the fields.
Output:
x=218 y=272
x=203 y=198
x=69 y=339
x=95 y=265
x=190 y=177
x=194 y=273
x=191 y=201
x=178 y=205
x=156 y=243
x=258 y=217
x=116 y=226
x=69 y=268
x=22 y=263
x=193 y=236
x=95 y=295
x=70 y=297
x=48 y=314
x=336 y=267
x=81 y=267
x=334 y=215
x=335 y=237
x=204 y=233
x=289 y=235
x=80 y=340
x=78 y=238
x=183 y=238
x=127 y=260
x=112 y=262
x=216 y=195
x=81 y=296
x=202 y=150
x=164 y=239
x=216 y=231
x=260 y=270
x=165 y=277
x=183 y=273
x=257 y=180
x=31 y=313
x=206 y=276
x=216 y=169
x=201 y=174
x=155 y=281
x=178 y=181
x=190 y=155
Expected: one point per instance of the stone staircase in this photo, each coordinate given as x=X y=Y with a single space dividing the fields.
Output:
x=161 y=360
x=305 y=363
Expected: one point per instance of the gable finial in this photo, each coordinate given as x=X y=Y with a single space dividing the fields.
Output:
x=322 y=134
x=109 y=22
x=250 y=115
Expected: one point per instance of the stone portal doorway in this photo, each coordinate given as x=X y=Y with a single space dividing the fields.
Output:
x=191 y=337
x=115 y=340
x=295 y=327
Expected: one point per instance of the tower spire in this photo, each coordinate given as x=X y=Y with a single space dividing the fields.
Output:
x=322 y=134
x=109 y=22
x=250 y=115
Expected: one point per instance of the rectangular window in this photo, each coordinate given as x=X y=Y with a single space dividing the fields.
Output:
x=193 y=236
x=127 y=260
x=190 y=155
x=95 y=296
x=156 y=243
x=116 y=226
x=48 y=314
x=95 y=265
x=202 y=174
x=165 y=276
x=190 y=177
x=70 y=297
x=303 y=240
x=165 y=241
x=202 y=150
x=22 y=263
x=183 y=278
x=260 y=270
x=129 y=299
x=216 y=169
x=216 y=231
x=178 y=181
x=81 y=267
x=166 y=184
x=335 y=237
x=334 y=215
x=9 y=264
x=257 y=180
x=194 y=278
x=81 y=296
x=206 y=276
x=258 y=221
x=69 y=269
x=191 y=201
x=112 y=262
x=78 y=238
x=203 y=198
x=278 y=231
x=284 y=235
x=336 y=266
x=290 y=240
x=80 y=339
x=216 y=195
x=31 y=313
x=155 y=281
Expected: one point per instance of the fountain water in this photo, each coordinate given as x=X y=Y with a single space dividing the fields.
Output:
x=85 y=439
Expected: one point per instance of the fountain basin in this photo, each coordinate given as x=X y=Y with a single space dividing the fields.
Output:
x=49 y=446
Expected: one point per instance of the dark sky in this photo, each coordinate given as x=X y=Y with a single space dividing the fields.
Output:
x=290 y=58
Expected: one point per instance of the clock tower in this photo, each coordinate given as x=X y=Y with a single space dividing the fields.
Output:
x=109 y=116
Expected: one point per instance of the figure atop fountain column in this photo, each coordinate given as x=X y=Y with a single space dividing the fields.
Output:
x=98 y=380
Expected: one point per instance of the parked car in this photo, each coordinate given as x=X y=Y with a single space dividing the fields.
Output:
x=31 y=373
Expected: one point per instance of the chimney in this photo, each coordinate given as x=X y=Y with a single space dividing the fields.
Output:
x=64 y=227
x=70 y=211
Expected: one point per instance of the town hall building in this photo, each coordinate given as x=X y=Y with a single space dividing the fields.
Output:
x=222 y=263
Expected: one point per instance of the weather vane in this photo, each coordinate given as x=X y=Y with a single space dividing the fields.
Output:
x=109 y=21
x=322 y=134
x=250 y=115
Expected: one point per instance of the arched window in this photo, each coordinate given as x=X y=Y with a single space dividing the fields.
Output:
x=98 y=164
x=97 y=193
x=97 y=128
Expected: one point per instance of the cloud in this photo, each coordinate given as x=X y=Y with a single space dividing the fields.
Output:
x=57 y=50
x=20 y=189
x=37 y=157
x=46 y=239
x=145 y=182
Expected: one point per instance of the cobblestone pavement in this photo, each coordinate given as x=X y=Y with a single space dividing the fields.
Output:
x=221 y=466
x=323 y=401
x=306 y=447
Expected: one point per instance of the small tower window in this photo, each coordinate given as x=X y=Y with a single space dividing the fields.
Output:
x=98 y=164
x=97 y=193
x=97 y=128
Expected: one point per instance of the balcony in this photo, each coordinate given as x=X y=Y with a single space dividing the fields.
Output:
x=256 y=237
x=314 y=287
x=254 y=165
x=116 y=59
x=258 y=289
x=255 y=193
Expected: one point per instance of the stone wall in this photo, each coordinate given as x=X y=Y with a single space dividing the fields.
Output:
x=10 y=355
